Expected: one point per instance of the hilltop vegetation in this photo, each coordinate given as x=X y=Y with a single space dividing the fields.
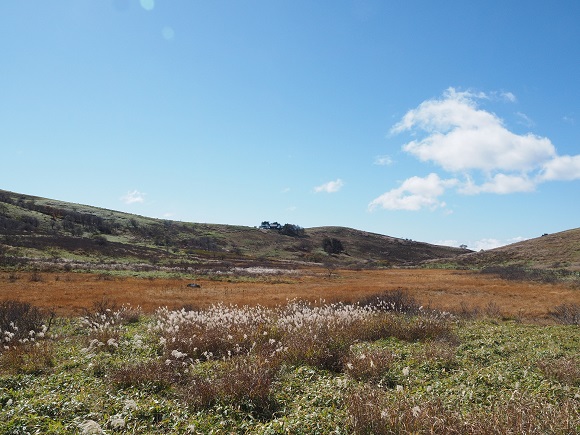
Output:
x=40 y=229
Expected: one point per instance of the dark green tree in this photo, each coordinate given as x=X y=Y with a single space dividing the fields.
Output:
x=332 y=246
x=292 y=230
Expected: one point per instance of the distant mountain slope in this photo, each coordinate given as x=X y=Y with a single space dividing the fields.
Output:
x=558 y=250
x=34 y=228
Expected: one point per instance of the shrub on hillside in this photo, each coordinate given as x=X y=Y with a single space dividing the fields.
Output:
x=332 y=246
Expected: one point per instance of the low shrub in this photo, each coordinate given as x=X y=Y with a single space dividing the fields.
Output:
x=371 y=365
x=397 y=301
x=21 y=321
x=521 y=273
x=566 y=314
x=244 y=381
x=317 y=346
x=33 y=357
x=371 y=411
x=108 y=312
x=153 y=375
x=438 y=354
x=565 y=370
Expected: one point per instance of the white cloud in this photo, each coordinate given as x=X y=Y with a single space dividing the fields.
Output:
x=330 y=187
x=133 y=197
x=508 y=96
x=414 y=193
x=455 y=134
x=383 y=160
x=462 y=137
x=491 y=243
x=562 y=168
x=448 y=242
x=485 y=243
x=525 y=120
x=500 y=184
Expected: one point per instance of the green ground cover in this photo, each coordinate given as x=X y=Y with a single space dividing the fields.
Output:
x=300 y=369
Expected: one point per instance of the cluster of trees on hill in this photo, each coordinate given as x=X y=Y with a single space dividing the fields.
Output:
x=291 y=230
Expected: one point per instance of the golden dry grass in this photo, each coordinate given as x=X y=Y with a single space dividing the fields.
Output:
x=69 y=293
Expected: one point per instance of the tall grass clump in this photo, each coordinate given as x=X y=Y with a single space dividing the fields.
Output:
x=371 y=411
x=397 y=301
x=23 y=333
x=219 y=332
x=104 y=322
x=18 y=319
x=243 y=382
x=373 y=365
x=152 y=375
x=318 y=335
x=565 y=370
x=566 y=314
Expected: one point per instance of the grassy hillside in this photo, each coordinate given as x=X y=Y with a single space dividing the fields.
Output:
x=35 y=228
x=550 y=251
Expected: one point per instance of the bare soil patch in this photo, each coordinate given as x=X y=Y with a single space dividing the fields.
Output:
x=69 y=293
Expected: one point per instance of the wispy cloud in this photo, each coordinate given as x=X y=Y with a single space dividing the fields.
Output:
x=383 y=160
x=568 y=119
x=133 y=197
x=508 y=96
x=330 y=187
x=525 y=120
x=470 y=143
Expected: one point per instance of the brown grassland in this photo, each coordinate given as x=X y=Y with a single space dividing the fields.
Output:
x=70 y=293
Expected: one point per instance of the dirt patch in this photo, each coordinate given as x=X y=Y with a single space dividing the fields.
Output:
x=69 y=293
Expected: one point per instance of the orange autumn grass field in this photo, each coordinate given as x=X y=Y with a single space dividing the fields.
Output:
x=69 y=293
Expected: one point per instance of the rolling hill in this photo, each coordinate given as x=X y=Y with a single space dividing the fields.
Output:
x=35 y=229
x=550 y=251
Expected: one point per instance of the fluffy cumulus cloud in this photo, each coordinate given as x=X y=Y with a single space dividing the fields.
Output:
x=133 y=197
x=562 y=168
x=415 y=193
x=330 y=187
x=470 y=143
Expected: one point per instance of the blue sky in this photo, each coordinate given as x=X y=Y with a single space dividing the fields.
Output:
x=447 y=122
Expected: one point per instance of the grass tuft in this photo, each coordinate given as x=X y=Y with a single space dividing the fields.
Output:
x=566 y=314
x=565 y=370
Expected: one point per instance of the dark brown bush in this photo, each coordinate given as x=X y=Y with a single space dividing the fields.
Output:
x=24 y=316
x=566 y=314
x=565 y=370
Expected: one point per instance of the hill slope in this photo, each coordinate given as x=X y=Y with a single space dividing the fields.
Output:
x=40 y=228
x=550 y=251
